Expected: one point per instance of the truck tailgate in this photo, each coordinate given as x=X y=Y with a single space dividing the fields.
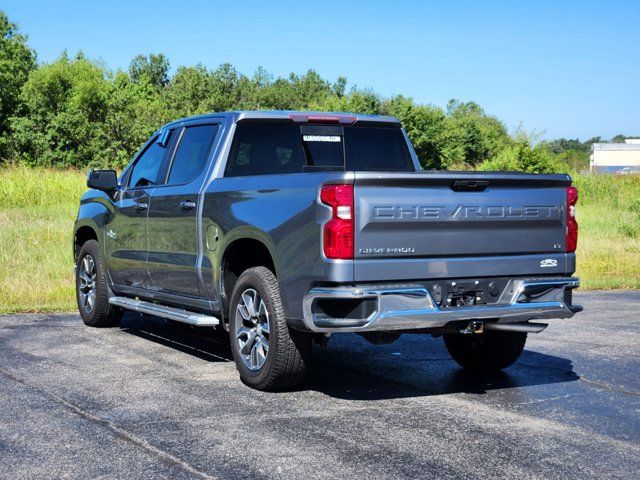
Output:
x=445 y=215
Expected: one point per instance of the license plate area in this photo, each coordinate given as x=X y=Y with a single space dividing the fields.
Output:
x=466 y=293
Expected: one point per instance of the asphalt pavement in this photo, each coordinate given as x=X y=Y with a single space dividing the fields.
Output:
x=155 y=400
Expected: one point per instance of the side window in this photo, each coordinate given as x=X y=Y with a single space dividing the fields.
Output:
x=191 y=156
x=265 y=150
x=146 y=170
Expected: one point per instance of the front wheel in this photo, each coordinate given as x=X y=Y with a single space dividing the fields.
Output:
x=489 y=351
x=268 y=354
x=92 y=291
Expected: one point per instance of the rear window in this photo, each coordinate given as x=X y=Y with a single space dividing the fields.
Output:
x=377 y=149
x=323 y=145
x=276 y=149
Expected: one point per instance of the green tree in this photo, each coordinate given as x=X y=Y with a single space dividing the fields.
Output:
x=226 y=89
x=621 y=138
x=188 y=91
x=65 y=102
x=308 y=89
x=425 y=126
x=471 y=136
x=521 y=156
x=17 y=60
x=153 y=68
x=357 y=101
x=562 y=145
x=339 y=87
x=134 y=112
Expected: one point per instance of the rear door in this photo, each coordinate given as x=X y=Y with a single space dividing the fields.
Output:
x=174 y=241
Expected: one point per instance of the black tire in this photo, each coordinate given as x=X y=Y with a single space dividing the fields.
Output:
x=100 y=313
x=486 y=352
x=288 y=354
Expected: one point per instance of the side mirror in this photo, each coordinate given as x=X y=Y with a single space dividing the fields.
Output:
x=105 y=180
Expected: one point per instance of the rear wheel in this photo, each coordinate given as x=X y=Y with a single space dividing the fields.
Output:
x=489 y=351
x=92 y=292
x=268 y=354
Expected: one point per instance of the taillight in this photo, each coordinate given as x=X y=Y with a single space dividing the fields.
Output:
x=571 y=239
x=338 y=232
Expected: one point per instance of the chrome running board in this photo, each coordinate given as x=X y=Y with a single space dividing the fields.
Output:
x=179 y=315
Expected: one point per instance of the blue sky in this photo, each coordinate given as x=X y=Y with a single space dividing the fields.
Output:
x=560 y=68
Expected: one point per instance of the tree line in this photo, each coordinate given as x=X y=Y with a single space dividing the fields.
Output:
x=75 y=112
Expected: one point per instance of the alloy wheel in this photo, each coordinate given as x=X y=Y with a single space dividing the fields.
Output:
x=87 y=287
x=252 y=329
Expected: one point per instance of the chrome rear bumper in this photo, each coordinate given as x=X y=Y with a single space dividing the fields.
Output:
x=410 y=306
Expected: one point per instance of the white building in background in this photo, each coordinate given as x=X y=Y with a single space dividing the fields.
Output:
x=620 y=158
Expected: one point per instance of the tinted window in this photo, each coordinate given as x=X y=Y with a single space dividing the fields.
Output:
x=272 y=149
x=146 y=171
x=376 y=148
x=264 y=150
x=191 y=155
x=323 y=145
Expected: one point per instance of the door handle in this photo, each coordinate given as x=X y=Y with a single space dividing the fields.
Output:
x=187 y=205
x=141 y=206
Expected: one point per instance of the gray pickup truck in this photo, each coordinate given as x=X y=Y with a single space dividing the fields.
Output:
x=283 y=228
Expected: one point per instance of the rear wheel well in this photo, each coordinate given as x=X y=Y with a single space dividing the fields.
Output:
x=82 y=236
x=240 y=256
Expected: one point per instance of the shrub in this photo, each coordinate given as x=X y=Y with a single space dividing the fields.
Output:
x=522 y=157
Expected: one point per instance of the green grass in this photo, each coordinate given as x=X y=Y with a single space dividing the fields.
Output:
x=609 y=224
x=37 y=211
x=38 y=207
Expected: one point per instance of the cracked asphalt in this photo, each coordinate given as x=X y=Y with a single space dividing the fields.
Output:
x=151 y=399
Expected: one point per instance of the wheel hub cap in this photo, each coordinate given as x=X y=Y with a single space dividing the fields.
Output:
x=87 y=286
x=253 y=329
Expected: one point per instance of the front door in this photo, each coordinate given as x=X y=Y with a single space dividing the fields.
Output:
x=126 y=242
x=126 y=239
x=174 y=244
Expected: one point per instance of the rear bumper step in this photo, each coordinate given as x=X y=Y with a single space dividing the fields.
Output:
x=185 y=316
x=411 y=306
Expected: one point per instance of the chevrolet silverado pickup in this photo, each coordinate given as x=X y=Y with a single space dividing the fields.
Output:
x=283 y=228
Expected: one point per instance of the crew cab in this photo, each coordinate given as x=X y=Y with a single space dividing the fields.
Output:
x=283 y=228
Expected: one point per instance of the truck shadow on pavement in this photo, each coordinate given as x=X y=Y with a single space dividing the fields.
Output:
x=419 y=365
x=352 y=369
x=440 y=378
x=211 y=346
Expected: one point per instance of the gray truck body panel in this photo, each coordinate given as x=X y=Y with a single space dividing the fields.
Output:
x=409 y=227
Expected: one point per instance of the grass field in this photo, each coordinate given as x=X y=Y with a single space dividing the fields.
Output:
x=38 y=207
x=37 y=210
x=608 y=215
